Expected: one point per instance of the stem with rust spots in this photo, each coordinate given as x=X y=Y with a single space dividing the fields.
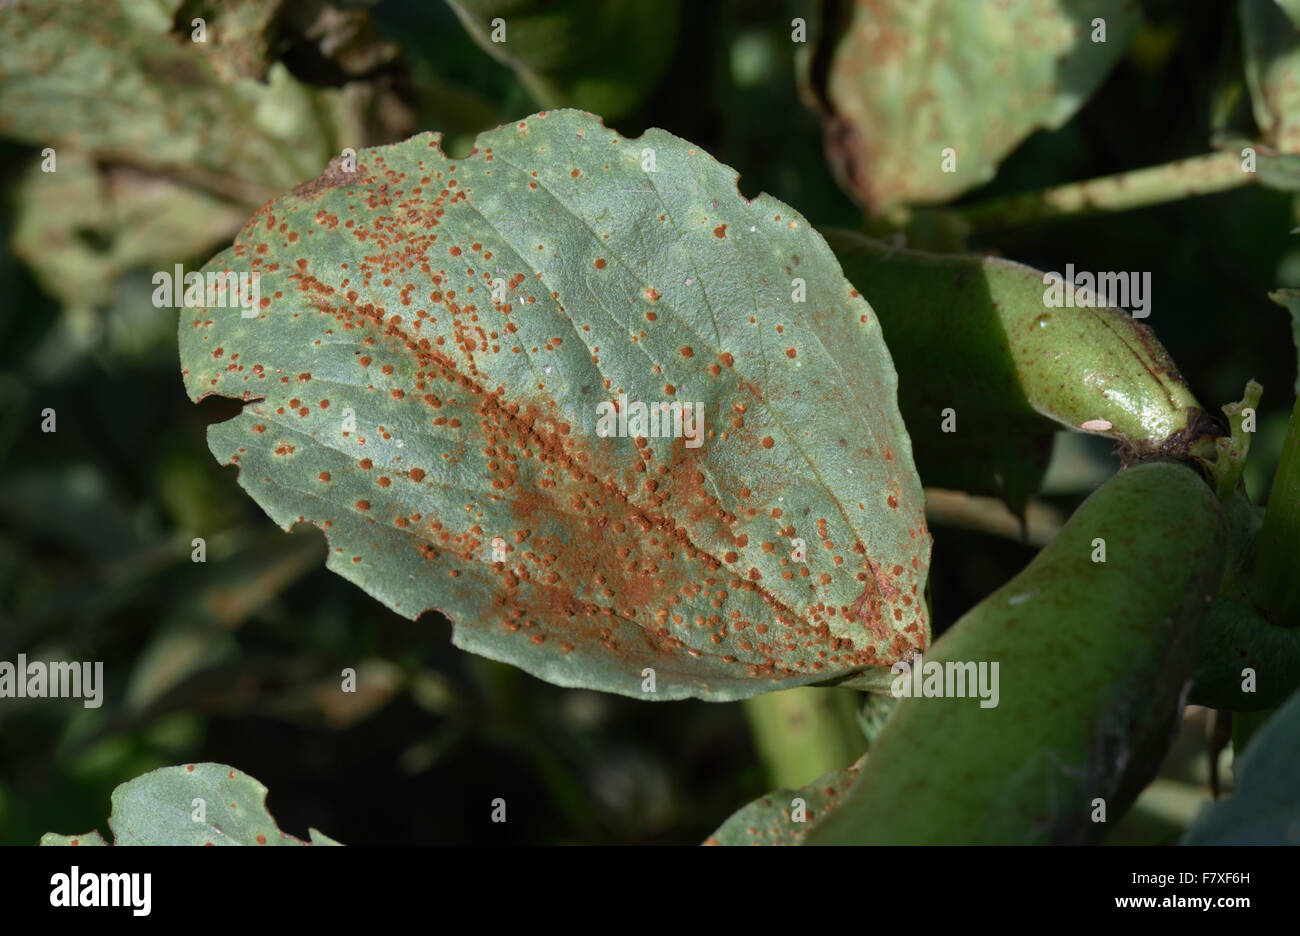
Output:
x=803 y=733
x=1198 y=175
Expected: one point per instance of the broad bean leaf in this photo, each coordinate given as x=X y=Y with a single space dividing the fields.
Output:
x=783 y=817
x=1264 y=808
x=430 y=374
x=190 y=804
x=908 y=79
x=1271 y=43
x=80 y=228
x=122 y=79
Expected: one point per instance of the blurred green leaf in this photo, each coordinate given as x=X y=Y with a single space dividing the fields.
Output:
x=418 y=417
x=1264 y=809
x=171 y=656
x=193 y=804
x=74 y=505
x=79 y=228
x=1271 y=42
x=113 y=79
x=907 y=81
x=603 y=56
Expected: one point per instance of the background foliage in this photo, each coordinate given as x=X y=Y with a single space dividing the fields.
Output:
x=237 y=660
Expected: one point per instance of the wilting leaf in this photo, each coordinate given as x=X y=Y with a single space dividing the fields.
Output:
x=447 y=439
x=1264 y=808
x=770 y=820
x=1271 y=42
x=600 y=55
x=113 y=78
x=907 y=80
x=981 y=417
x=193 y=804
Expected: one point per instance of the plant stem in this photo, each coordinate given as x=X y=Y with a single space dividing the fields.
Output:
x=1198 y=175
x=990 y=515
x=803 y=733
x=1275 y=587
x=1228 y=458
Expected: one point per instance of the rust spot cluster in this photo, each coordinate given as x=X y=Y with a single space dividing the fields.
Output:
x=624 y=549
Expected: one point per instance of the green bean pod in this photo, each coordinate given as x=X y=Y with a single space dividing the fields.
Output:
x=1094 y=659
x=974 y=338
x=1095 y=369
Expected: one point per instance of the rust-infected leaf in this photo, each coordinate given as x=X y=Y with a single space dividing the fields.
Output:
x=437 y=340
x=783 y=817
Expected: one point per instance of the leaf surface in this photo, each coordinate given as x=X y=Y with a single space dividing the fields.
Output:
x=1264 y=809
x=191 y=804
x=1271 y=43
x=770 y=819
x=425 y=377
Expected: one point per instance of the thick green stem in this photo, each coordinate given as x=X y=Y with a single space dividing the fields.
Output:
x=1275 y=586
x=803 y=733
x=1199 y=175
